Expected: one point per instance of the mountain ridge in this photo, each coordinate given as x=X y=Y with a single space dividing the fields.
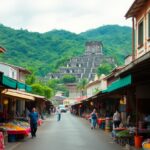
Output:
x=47 y=51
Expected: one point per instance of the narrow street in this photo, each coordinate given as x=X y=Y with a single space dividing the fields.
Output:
x=71 y=133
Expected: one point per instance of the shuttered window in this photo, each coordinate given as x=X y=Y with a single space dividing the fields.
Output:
x=140 y=34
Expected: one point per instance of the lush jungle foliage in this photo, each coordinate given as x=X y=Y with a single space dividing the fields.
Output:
x=46 y=52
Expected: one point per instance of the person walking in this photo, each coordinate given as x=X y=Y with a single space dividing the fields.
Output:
x=116 y=119
x=93 y=117
x=33 y=122
x=58 y=114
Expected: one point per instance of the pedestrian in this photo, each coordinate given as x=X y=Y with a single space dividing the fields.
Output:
x=116 y=119
x=93 y=117
x=33 y=122
x=58 y=114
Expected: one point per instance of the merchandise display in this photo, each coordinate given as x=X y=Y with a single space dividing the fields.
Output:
x=16 y=127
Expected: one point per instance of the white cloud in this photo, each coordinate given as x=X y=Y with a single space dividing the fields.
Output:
x=73 y=15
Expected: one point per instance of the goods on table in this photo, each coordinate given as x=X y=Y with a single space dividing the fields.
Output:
x=124 y=133
x=15 y=126
x=15 y=129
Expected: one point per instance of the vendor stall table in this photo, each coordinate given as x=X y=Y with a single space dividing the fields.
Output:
x=14 y=135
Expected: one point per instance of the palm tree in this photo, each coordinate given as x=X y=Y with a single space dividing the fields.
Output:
x=81 y=85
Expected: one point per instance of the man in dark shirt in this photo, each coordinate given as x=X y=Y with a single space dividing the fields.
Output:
x=33 y=122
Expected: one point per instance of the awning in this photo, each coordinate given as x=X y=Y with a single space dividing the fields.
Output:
x=14 y=84
x=9 y=82
x=21 y=86
x=123 y=82
x=28 y=88
x=18 y=94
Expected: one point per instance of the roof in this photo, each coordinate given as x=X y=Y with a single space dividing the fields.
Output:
x=135 y=8
x=17 y=67
x=79 y=99
x=22 y=94
x=134 y=63
x=2 y=50
x=59 y=98
x=114 y=71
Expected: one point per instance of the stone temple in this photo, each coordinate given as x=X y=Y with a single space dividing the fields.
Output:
x=84 y=66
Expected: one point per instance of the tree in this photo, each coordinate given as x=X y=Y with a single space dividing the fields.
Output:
x=68 y=79
x=82 y=85
x=48 y=92
x=39 y=89
x=104 y=68
x=31 y=79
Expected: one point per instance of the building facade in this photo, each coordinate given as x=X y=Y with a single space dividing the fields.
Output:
x=140 y=13
x=96 y=86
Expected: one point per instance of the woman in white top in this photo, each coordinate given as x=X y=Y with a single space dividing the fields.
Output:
x=116 y=119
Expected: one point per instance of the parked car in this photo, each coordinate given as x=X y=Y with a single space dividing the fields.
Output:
x=62 y=108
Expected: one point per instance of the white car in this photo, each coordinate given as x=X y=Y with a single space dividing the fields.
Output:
x=62 y=108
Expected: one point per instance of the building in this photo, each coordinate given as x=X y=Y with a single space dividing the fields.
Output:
x=86 y=65
x=14 y=72
x=96 y=86
x=140 y=14
x=13 y=77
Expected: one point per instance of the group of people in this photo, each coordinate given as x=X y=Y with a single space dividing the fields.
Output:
x=94 y=117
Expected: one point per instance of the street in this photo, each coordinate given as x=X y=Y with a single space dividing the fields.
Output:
x=71 y=133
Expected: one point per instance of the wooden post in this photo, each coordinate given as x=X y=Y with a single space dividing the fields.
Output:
x=136 y=116
x=133 y=39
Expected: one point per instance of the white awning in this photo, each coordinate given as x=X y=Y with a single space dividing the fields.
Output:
x=18 y=94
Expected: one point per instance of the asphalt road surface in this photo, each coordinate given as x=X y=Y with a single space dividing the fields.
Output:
x=71 y=133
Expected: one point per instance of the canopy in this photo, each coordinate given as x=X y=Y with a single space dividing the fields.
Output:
x=14 y=84
x=18 y=94
x=9 y=82
x=122 y=82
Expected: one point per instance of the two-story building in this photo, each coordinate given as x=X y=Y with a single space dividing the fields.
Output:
x=140 y=13
x=14 y=89
x=14 y=72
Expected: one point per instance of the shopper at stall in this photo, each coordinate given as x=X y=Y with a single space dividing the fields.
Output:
x=93 y=117
x=116 y=119
x=33 y=122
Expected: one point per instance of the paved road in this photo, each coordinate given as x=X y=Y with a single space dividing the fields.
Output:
x=71 y=133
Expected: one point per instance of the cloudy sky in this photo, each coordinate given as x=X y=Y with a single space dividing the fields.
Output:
x=73 y=15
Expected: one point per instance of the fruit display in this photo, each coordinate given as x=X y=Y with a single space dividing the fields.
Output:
x=14 y=125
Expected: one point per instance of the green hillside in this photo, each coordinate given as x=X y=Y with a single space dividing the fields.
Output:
x=116 y=40
x=45 y=52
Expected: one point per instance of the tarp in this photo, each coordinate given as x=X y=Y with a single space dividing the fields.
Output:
x=120 y=83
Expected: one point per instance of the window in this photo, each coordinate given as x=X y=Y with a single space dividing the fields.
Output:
x=140 y=34
x=13 y=74
x=149 y=25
